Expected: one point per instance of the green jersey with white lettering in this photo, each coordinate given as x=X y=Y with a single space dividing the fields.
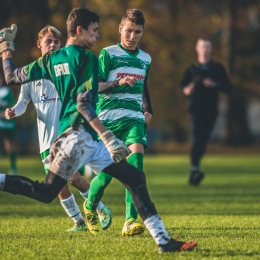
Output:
x=123 y=103
x=73 y=70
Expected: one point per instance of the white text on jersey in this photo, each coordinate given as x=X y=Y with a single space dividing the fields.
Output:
x=62 y=69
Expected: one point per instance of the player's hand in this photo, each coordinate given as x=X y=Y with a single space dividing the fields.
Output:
x=147 y=117
x=209 y=83
x=9 y=113
x=117 y=149
x=189 y=89
x=128 y=80
x=7 y=36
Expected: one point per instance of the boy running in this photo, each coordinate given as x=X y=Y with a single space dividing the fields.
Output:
x=47 y=104
x=123 y=75
x=74 y=72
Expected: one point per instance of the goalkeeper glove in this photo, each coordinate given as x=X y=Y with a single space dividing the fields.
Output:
x=7 y=36
x=117 y=148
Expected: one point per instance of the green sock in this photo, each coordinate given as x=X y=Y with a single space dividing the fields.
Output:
x=137 y=160
x=96 y=189
x=12 y=158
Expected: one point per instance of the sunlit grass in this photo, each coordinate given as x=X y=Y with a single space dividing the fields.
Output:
x=222 y=214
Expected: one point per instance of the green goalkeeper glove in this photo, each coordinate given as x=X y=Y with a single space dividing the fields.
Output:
x=117 y=148
x=7 y=36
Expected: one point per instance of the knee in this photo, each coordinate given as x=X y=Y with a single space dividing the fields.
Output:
x=49 y=196
x=75 y=180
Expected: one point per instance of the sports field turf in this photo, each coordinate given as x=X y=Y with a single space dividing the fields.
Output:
x=222 y=214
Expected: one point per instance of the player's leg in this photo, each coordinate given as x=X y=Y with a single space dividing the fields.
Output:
x=93 y=202
x=44 y=192
x=197 y=126
x=131 y=226
x=134 y=181
x=65 y=159
x=134 y=136
x=67 y=199
x=104 y=213
x=10 y=147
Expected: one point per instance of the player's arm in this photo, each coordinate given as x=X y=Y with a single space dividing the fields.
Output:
x=188 y=83
x=18 y=109
x=224 y=82
x=147 y=104
x=13 y=75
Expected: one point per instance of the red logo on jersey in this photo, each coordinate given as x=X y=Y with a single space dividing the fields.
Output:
x=123 y=75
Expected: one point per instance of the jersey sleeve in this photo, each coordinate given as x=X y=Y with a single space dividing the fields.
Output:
x=25 y=93
x=88 y=74
x=39 y=69
x=104 y=64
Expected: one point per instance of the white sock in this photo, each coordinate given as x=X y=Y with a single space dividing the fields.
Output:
x=2 y=181
x=85 y=196
x=100 y=205
x=157 y=229
x=71 y=208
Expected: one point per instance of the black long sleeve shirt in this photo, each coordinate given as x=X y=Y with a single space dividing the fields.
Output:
x=205 y=99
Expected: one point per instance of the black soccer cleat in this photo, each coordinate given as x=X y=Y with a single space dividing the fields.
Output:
x=195 y=178
x=174 y=245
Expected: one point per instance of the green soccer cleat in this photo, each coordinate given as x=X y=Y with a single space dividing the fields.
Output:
x=132 y=228
x=78 y=226
x=105 y=217
x=92 y=220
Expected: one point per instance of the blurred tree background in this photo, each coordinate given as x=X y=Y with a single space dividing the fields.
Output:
x=171 y=30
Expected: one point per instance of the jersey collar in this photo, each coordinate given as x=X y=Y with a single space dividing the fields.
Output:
x=126 y=50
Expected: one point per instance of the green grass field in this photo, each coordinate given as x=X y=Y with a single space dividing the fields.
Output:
x=222 y=214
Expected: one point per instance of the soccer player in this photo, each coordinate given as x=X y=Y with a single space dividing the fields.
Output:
x=123 y=75
x=46 y=101
x=74 y=71
x=7 y=128
x=202 y=82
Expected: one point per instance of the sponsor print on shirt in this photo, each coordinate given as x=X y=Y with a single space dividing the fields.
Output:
x=44 y=98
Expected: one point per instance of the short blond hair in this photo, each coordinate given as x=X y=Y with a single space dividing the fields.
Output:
x=49 y=29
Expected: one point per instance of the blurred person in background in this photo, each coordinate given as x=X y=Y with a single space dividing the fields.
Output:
x=7 y=127
x=202 y=82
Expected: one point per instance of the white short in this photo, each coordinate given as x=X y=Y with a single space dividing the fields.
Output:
x=75 y=148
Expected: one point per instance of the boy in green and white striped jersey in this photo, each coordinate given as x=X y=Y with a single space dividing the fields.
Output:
x=124 y=105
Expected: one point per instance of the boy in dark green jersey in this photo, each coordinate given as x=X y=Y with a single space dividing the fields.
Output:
x=74 y=72
x=123 y=76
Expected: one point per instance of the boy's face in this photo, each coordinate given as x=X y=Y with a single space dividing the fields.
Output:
x=131 y=34
x=204 y=48
x=48 y=43
x=89 y=37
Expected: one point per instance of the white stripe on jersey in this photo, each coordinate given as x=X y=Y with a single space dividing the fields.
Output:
x=116 y=114
x=137 y=97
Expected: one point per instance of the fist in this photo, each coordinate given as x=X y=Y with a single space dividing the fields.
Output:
x=9 y=113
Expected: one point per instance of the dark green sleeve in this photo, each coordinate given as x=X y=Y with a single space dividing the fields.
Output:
x=104 y=64
x=39 y=69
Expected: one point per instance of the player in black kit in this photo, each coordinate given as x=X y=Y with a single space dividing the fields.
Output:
x=202 y=82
